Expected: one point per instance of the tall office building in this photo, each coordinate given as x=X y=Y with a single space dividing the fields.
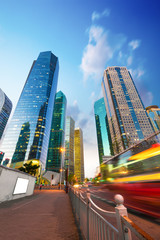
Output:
x=5 y=110
x=27 y=136
x=127 y=117
x=154 y=114
x=78 y=155
x=69 y=145
x=103 y=134
x=57 y=134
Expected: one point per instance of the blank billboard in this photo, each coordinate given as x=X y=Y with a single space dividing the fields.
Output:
x=21 y=186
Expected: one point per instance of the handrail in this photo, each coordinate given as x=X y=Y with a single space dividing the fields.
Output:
x=108 y=213
x=82 y=196
x=111 y=226
x=134 y=228
x=98 y=225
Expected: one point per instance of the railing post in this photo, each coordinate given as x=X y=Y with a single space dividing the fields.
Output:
x=74 y=202
x=79 y=199
x=124 y=232
x=88 y=206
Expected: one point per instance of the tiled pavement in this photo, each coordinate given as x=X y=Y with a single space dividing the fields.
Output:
x=47 y=215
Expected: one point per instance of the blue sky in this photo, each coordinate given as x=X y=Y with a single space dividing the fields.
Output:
x=87 y=36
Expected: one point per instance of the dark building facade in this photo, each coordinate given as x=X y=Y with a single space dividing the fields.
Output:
x=55 y=157
x=69 y=145
x=102 y=128
x=27 y=136
x=5 y=110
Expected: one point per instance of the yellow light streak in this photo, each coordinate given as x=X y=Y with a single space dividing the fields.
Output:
x=148 y=177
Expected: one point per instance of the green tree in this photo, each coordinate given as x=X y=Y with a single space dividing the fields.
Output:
x=72 y=179
x=29 y=168
x=86 y=180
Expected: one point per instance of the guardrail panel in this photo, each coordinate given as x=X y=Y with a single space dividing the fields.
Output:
x=94 y=226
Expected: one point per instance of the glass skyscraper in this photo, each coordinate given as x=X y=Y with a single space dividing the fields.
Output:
x=103 y=134
x=127 y=117
x=78 y=155
x=57 y=134
x=27 y=136
x=5 y=110
x=69 y=145
x=154 y=114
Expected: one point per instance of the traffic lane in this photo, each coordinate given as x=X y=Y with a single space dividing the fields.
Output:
x=148 y=224
x=148 y=205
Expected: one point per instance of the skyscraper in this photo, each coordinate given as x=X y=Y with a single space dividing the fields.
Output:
x=154 y=114
x=69 y=145
x=27 y=136
x=19 y=153
x=103 y=134
x=78 y=155
x=57 y=133
x=5 y=110
x=127 y=117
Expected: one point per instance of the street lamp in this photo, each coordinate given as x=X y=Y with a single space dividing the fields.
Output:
x=62 y=150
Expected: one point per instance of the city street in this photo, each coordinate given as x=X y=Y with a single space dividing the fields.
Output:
x=101 y=196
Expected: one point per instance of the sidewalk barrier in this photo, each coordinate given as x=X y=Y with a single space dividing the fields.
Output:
x=94 y=226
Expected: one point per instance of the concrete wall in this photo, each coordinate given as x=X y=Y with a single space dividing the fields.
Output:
x=8 y=180
x=56 y=177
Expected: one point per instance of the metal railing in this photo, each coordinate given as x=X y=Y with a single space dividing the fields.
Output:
x=94 y=226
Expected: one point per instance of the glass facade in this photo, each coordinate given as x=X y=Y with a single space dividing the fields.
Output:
x=127 y=118
x=57 y=133
x=69 y=145
x=27 y=136
x=5 y=110
x=103 y=134
x=78 y=155
x=154 y=114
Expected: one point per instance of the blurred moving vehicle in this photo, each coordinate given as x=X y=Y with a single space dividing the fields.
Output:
x=135 y=174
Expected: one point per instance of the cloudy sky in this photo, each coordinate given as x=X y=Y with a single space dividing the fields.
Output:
x=87 y=36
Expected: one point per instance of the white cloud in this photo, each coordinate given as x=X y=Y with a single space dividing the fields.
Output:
x=140 y=72
x=96 y=53
x=101 y=47
x=96 y=15
x=92 y=97
x=73 y=110
x=134 y=44
x=120 y=54
x=137 y=73
x=75 y=102
x=129 y=60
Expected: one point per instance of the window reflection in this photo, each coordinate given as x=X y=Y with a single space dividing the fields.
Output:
x=21 y=147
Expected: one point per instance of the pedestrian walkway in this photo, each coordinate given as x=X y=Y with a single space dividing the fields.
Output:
x=47 y=214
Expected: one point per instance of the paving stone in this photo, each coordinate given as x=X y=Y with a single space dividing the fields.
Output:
x=47 y=214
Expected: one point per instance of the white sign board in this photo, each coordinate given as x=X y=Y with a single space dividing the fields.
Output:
x=21 y=186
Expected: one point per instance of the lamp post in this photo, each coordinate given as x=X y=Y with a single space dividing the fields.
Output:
x=62 y=150
x=66 y=176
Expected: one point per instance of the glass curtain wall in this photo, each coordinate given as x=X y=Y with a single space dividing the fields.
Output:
x=27 y=136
